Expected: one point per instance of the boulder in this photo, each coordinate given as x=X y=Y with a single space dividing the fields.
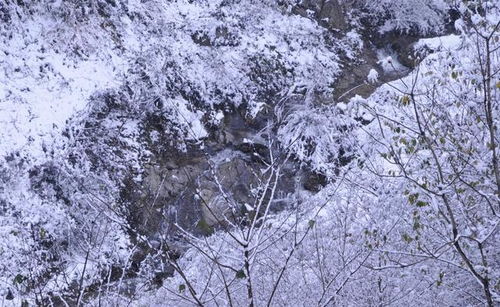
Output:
x=328 y=13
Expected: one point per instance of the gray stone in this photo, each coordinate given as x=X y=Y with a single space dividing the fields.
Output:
x=328 y=13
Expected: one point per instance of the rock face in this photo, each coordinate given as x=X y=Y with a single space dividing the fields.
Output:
x=328 y=13
x=391 y=55
x=202 y=189
x=331 y=15
x=222 y=37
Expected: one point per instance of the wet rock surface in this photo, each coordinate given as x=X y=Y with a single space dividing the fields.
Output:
x=392 y=56
x=328 y=13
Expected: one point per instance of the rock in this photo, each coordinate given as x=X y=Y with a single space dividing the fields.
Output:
x=257 y=152
x=314 y=181
x=201 y=38
x=167 y=186
x=328 y=13
x=223 y=37
x=353 y=78
x=236 y=128
x=236 y=178
x=332 y=13
x=9 y=295
x=4 y=14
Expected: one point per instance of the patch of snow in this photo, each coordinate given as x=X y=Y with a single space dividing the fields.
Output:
x=452 y=42
x=255 y=108
x=40 y=90
x=388 y=60
x=372 y=76
x=192 y=119
x=476 y=19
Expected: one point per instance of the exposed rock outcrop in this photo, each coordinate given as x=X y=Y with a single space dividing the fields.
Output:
x=328 y=13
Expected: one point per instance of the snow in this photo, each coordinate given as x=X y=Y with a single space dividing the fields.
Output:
x=372 y=76
x=104 y=80
x=451 y=42
x=192 y=119
x=40 y=89
x=388 y=60
x=476 y=19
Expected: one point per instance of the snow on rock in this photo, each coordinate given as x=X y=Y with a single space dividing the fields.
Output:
x=372 y=76
x=450 y=42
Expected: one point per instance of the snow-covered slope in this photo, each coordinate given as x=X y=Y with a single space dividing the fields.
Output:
x=190 y=144
x=64 y=62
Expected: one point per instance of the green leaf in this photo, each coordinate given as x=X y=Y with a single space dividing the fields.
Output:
x=18 y=279
x=422 y=203
x=205 y=227
x=407 y=238
x=311 y=223
x=182 y=287
x=412 y=198
x=240 y=274
x=43 y=233
x=405 y=100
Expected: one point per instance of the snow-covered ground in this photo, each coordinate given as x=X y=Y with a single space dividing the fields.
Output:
x=40 y=89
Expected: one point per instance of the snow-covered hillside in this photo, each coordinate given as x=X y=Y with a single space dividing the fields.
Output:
x=250 y=152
